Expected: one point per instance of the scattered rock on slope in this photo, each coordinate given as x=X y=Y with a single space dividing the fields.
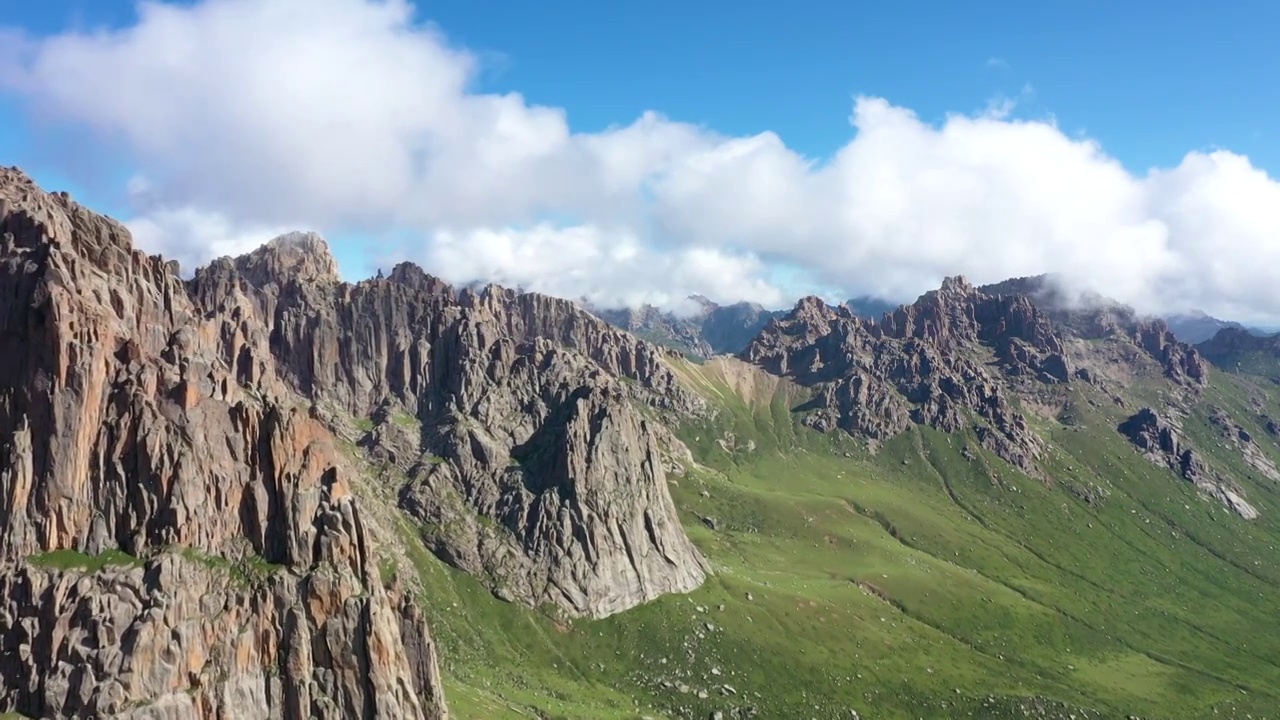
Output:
x=1160 y=442
x=1236 y=436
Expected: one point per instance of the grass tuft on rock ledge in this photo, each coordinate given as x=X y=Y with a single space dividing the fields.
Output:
x=76 y=560
x=247 y=570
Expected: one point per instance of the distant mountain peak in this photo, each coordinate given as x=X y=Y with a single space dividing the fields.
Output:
x=712 y=329
x=1197 y=326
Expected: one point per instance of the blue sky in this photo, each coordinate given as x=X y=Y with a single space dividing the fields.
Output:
x=1149 y=82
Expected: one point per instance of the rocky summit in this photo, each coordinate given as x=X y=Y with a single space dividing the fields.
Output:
x=510 y=423
x=979 y=358
x=266 y=492
x=707 y=328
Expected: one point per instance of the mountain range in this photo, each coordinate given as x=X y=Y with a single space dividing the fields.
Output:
x=1197 y=327
x=264 y=492
x=715 y=329
x=712 y=329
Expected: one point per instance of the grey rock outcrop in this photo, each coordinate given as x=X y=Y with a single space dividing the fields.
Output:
x=577 y=505
x=1161 y=443
x=127 y=427
x=1235 y=436
x=1086 y=316
x=921 y=364
x=514 y=421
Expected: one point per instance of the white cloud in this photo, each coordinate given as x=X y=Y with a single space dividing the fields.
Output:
x=194 y=237
x=607 y=268
x=190 y=235
x=353 y=117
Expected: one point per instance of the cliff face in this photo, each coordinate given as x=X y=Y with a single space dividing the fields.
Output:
x=127 y=429
x=180 y=537
x=510 y=422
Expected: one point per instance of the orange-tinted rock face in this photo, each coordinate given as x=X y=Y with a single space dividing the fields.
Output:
x=132 y=420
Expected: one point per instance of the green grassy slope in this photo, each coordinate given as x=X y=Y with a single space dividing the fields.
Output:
x=912 y=583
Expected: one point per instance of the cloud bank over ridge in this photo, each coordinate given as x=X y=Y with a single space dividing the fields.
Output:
x=241 y=117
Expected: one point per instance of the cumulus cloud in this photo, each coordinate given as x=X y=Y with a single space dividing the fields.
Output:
x=194 y=237
x=608 y=268
x=186 y=233
x=355 y=116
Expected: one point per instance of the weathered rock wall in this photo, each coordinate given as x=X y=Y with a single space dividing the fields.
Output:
x=531 y=463
x=126 y=425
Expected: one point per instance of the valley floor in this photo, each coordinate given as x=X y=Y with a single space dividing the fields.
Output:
x=927 y=580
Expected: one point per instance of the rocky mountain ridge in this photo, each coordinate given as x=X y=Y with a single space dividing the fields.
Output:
x=181 y=537
x=183 y=464
x=965 y=358
x=714 y=329
x=511 y=420
x=922 y=364
x=711 y=330
x=1195 y=327
x=1232 y=348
